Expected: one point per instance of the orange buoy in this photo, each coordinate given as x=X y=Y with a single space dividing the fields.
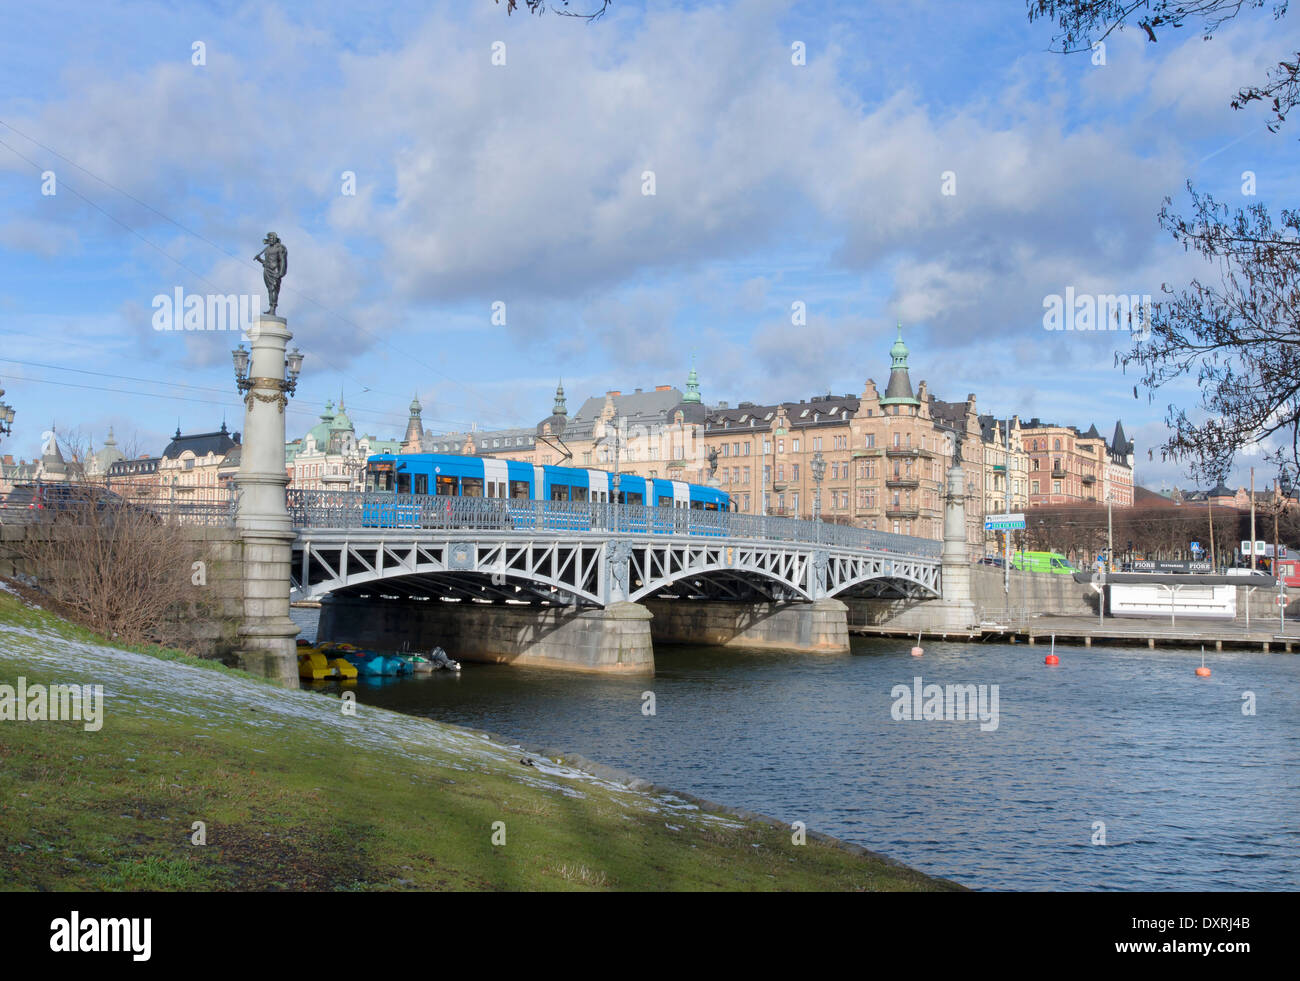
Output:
x=1202 y=672
x=917 y=651
x=1051 y=659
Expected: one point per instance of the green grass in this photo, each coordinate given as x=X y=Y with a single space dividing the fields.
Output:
x=293 y=795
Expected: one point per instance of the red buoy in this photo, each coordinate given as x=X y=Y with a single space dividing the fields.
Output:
x=1202 y=672
x=1051 y=659
x=917 y=652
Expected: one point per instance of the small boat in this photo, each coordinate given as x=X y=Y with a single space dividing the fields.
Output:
x=313 y=666
x=418 y=663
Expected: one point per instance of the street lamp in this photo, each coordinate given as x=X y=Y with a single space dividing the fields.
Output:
x=6 y=417
x=288 y=384
x=818 y=467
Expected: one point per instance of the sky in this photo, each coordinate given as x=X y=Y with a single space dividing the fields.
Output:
x=930 y=163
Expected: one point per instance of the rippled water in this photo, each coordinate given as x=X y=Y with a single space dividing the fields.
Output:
x=1193 y=793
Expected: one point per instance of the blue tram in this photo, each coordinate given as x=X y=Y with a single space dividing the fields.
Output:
x=447 y=475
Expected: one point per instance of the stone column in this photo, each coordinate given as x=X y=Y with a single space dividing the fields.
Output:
x=958 y=609
x=267 y=635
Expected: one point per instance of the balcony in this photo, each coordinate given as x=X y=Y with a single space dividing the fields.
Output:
x=1089 y=478
x=911 y=482
x=1059 y=473
x=904 y=511
x=908 y=452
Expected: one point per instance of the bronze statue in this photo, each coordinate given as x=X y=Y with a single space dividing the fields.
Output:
x=274 y=266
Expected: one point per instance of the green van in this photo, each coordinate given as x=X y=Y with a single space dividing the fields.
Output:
x=1052 y=562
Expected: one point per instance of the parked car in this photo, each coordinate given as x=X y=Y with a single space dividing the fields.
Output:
x=992 y=560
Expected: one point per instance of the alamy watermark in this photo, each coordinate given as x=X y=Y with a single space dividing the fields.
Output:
x=205 y=311
x=53 y=703
x=947 y=703
x=102 y=934
x=1096 y=312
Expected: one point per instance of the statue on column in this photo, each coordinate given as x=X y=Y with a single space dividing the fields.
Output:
x=275 y=263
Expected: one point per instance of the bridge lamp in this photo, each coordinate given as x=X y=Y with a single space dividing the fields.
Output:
x=293 y=362
x=6 y=417
x=818 y=467
x=240 y=357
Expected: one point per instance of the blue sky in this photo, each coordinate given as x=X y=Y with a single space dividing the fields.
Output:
x=522 y=184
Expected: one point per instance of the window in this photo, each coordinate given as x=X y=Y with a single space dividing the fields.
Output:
x=780 y=446
x=780 y=472
x=871 y=440
x=794 y=446
x=1056 y=487
x=1034 y=485
x=748 y=447
x=1057 y=444
x=794 y=472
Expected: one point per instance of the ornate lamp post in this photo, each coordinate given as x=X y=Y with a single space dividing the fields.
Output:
x=818 y=467
x=6 y=417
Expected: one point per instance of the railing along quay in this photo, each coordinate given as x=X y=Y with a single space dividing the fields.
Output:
x=382 y=511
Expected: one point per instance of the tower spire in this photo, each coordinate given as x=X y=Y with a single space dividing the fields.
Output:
x=692 y=383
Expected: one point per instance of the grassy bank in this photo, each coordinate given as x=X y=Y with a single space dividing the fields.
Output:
x=294 y=794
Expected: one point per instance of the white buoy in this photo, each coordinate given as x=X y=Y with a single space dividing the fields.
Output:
x=918 y=650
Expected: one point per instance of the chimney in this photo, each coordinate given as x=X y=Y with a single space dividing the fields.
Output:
x=662 y=388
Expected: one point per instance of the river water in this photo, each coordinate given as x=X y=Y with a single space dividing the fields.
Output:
x=1124 y=746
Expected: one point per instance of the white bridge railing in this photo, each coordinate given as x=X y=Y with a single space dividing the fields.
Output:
x=358 y=509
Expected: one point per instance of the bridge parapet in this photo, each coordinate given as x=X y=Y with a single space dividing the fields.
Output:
x=379 y=511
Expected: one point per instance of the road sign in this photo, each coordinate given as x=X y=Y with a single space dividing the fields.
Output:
x=1281 y=601
x=1003 y=522
x=1195 y=547
x=1245 y=548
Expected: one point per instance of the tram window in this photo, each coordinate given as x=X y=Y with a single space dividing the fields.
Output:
x=380 y=481
x=520 y=489
x=579 y=493
x=665 y=502
x=403 y=483
x=421 y=483
x=634 y=498
x=471 y=486
x=697 y=505
x=446 y=486
x=559 y=492
x=710 y=506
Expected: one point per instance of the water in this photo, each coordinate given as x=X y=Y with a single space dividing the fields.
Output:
x=1193 y=793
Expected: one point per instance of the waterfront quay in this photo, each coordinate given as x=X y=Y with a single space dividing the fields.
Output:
x=1261 y=635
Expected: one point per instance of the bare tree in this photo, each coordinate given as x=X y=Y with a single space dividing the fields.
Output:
x=560 y=7
x=1240 y=337
x=116 y=567
x=1081 y=23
